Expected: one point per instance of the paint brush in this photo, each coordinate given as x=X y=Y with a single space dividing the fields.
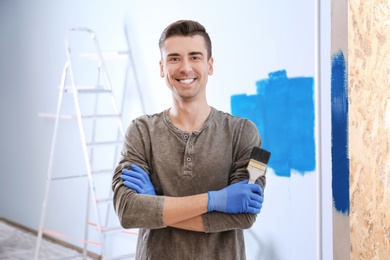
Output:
x=257 y=163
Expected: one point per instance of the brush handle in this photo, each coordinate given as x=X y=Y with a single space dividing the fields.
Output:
x=254 y=174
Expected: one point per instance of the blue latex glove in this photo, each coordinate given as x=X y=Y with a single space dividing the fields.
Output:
x=240 y=197
x=137 y=179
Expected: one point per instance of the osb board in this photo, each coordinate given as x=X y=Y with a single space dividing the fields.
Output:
x=369 y=127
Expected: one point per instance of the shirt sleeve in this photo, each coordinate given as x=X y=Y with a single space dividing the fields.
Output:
x=135 y=210
x=248 y=138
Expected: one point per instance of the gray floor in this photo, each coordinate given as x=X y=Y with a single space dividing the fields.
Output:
x=18 y=244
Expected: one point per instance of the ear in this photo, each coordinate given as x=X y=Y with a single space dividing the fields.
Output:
x=161 y=69
x=211 y=66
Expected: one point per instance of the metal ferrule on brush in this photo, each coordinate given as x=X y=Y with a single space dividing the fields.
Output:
x=256 y=165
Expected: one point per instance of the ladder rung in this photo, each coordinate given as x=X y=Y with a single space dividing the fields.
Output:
x=81 y=256
x=74 y=117
x=53 y=116
x=94 y=172
x=104 y=171
x=106 y=200
x=107 y=55
x=72 y=257
x=112 y=229
x=105 y=143
x=87 y=89
x=68 y=177
x=100 y=116
x=127 y=256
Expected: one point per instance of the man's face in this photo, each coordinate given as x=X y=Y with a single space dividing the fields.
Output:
x=185 y=66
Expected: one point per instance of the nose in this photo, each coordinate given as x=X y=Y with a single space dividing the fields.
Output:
x=185 y=66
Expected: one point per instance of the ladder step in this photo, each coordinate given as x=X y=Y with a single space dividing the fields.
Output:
x=107 y=55
x=74 y=117
x=100 y=116
x=127 y=256
x=77 y=256
x=104 y=171
x=88 y=89
x=94 y=172
x=105 y=143
x=53 y=116
x=112 y=229
x=106 y=200
x=68 y=177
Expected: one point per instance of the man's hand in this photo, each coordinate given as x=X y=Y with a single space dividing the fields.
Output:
x=240 y=197
x=137 y=179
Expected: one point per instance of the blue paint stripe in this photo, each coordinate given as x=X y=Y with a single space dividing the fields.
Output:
x=340 y=160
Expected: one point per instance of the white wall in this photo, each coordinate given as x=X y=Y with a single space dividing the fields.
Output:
x=250 y=39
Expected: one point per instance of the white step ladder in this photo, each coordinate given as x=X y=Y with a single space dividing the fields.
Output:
x=98 y=106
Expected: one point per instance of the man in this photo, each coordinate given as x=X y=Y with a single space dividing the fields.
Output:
x=182 y=178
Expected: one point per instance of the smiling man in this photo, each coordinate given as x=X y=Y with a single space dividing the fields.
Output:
x=182 y=179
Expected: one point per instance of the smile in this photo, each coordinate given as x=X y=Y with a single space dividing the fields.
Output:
x=186 y=81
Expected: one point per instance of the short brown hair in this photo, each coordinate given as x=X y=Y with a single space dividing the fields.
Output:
x=186 y=28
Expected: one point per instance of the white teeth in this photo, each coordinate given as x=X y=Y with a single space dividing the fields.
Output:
x=186 y=81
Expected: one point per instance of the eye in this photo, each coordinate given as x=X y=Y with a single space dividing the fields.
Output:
x=173 y=59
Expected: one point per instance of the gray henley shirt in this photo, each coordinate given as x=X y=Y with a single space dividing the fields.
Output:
x=182 y=164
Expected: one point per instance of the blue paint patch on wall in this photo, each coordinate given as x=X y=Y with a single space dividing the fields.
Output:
x=283 y=111
x=340 y=160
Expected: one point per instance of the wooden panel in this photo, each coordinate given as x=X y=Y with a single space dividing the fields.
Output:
x=339 y=114
x=369 y=128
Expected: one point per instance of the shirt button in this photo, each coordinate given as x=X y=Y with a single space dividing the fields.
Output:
x=185 y=136
x=188 y=159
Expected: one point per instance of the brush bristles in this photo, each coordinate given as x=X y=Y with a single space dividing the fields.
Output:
x=260 y=155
